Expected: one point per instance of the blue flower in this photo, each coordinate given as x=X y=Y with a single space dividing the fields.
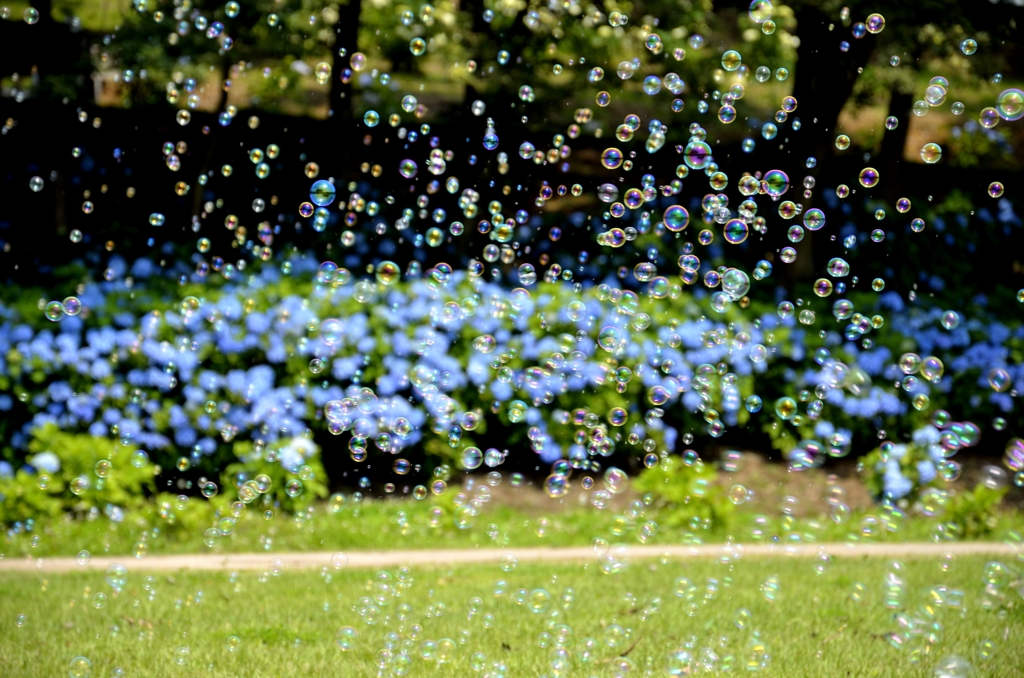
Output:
x=47 y=461
x=925 y=472
x=926 y=435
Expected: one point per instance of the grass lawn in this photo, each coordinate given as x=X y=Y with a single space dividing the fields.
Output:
x=724 y=613
x=436 y=523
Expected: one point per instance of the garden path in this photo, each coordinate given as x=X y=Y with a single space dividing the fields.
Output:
x=444 y=557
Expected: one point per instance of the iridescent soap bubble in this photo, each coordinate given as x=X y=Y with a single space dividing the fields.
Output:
x=775 y=183
x=934 y=95
x=322 y=193
x=988 y=118
x=408 y=168
x=472 y=458
x=931 y=153
x=932 y=369
x=1010 y=104
x=785 y=408
x=117 y=576
x=995 y=189
x=760 y=11
x=676 y=218
x=1013 y=455
x=697 y=155
x=54 y=311
x=80 y=667
x=969 y=46
x=814 y=219
x=345 y=638
x=875 y=23
x=387 y=273
x=609 y=338
x=735 y=231
x=868 y=177
x=999 y=379
x=823 y=287
x=731 y=60
x=735 y=283
x=611 y=158
x=838 y=268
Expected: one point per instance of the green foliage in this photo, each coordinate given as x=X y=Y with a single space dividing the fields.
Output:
x=292 y=490
x=121 y=484
x=687 y=494
x=971 y=146
x=21 y=498
x=976 y=511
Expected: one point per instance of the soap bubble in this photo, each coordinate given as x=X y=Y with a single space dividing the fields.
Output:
x=931 y=153
x=322 y=193
x=80 y=667
x=182 y=655
x=999 y=379
x=1010 y=104
x=868 y=177
x=117 y=576
x=407 y=168
x=760 y=11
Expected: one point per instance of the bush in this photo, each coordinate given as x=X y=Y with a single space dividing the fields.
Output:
x=75 y=472
x=227 y=374
x=687 y=493
x=264 y=475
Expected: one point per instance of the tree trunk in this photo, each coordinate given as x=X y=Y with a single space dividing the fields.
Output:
x=824 y=80
x=341 y=112
x=894 y=143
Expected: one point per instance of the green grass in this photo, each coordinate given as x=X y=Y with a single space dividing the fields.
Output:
x=286 y=624
x=376 y=525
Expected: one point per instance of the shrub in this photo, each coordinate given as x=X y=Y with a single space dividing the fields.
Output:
x=75 y=472
x=687 y=493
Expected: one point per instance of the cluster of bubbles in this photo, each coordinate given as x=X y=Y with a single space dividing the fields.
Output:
x=671 y=227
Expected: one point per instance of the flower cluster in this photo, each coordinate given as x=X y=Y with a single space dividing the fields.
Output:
x=572 y=373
